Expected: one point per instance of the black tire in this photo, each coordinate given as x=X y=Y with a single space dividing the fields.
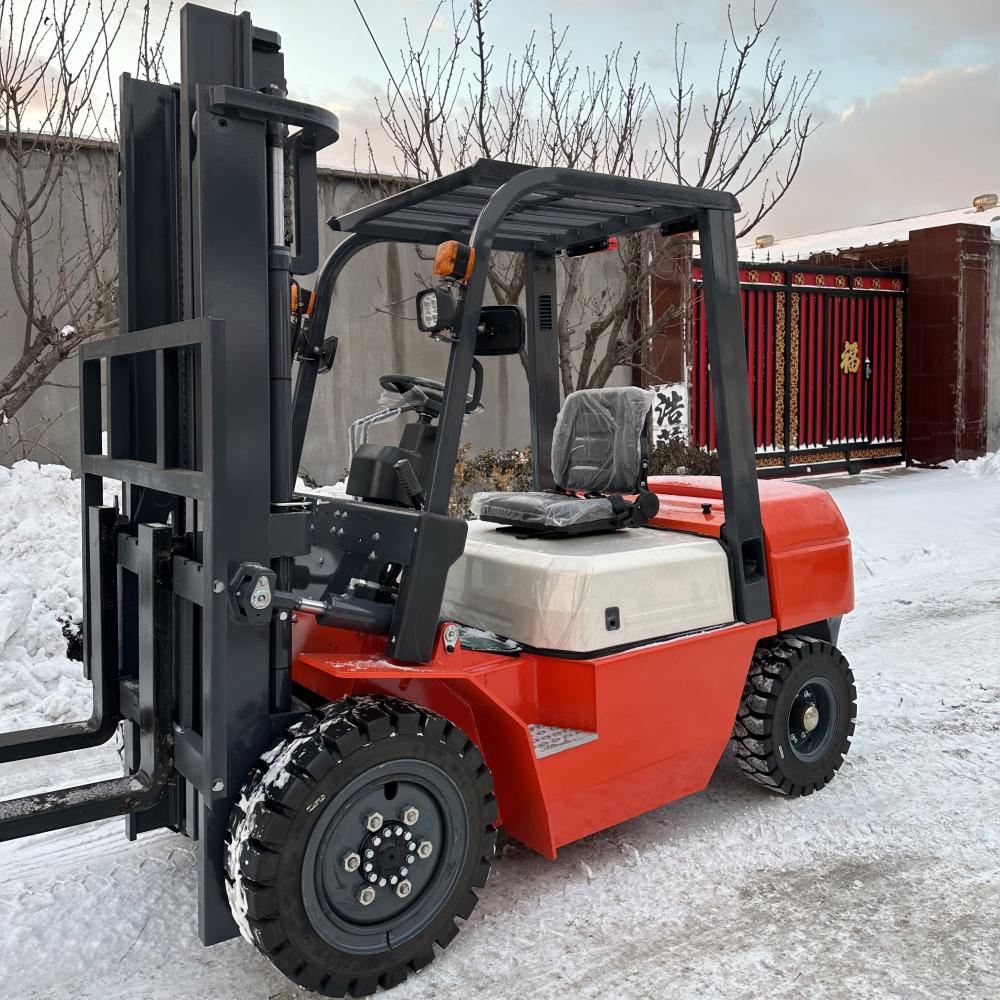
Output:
x=771 y=737
x=304 y=807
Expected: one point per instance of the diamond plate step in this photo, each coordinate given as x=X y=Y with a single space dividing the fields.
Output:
x=554 y=739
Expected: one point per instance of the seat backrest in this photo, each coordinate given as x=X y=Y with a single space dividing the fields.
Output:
x=597 y=444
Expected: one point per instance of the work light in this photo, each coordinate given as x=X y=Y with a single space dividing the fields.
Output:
x=435 y=310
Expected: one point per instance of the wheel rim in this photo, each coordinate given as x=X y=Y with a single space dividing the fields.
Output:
x=366 y=820
x=812 y=720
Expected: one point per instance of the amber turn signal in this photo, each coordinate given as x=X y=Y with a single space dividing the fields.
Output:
x=454 y=260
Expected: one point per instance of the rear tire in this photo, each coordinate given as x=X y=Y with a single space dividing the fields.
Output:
x=373 y=780
x=796 y=719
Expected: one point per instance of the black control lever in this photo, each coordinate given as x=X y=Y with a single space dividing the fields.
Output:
x=410 y=483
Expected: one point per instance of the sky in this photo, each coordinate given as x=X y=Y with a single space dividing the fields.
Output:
x=907 y=101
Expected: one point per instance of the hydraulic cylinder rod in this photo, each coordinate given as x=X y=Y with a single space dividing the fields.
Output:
x=280 y=342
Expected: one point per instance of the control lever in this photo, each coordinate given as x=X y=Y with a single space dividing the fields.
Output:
x=408 y=480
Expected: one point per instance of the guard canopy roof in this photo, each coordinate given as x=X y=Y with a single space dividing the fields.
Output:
x=559 y=208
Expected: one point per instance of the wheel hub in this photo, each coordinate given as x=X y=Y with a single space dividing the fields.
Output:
x=387 y=854
x=384 y=820
x=810 y=718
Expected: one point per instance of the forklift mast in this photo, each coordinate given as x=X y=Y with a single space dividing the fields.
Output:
x=191 y=413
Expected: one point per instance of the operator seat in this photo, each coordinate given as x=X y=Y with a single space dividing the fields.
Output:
x=598 y=454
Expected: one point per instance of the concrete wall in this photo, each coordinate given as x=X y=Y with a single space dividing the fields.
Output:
x=47 y=428
x=993 y=351
x=374 y=339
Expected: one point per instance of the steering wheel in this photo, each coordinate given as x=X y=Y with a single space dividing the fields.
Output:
x=434 y=390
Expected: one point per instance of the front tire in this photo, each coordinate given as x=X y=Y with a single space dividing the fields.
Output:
x=796 y=718
x=357 y=841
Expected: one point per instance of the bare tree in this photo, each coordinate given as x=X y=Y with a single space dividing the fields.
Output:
x=447 y=104
x=58 y=176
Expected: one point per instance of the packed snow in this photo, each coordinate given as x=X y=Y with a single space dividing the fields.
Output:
x=884 y=885
x=40 y=560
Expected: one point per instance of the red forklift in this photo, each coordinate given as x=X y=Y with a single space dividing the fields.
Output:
x=343 y=699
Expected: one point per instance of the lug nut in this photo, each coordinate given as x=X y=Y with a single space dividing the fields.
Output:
x=373 y=821
x=366 y=895
x=352 y=862
x=403 y=889
x=424 y=849
x=410 y=859
x=410 y=815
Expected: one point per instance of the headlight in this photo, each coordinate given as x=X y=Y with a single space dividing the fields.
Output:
x=428 y=312
x=435 y=310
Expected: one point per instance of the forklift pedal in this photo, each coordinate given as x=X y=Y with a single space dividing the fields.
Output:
x=549 y=740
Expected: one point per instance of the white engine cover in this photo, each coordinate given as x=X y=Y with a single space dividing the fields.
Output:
x=554 y=593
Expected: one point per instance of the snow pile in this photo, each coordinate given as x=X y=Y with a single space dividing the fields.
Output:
x=40 y=580
x=985 y=467
x=903 y=536
x=337 y=490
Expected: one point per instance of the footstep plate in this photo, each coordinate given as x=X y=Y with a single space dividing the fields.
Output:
x=554 y=739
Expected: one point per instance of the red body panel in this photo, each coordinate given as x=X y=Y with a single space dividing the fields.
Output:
x=662 y=712
x=809 y=566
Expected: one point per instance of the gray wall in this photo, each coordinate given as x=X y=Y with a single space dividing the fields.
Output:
x=47 y=429
x=993 y=349
x=374 y=339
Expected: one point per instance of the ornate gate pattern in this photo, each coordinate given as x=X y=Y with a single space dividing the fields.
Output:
x=825 y=360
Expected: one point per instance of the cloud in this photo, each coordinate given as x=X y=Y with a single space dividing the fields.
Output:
x=928 y=144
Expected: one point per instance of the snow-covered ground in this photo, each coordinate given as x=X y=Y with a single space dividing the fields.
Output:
x=884 y=885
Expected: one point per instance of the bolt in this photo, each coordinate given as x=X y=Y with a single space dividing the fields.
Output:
x=404 y=870
x=403 y=889
x=399 y=831
x=218 y=785
x=373 y=877
x=424 y=849
x=368 y=866
x=218 y=586
x=393 y=879
x=376 y=537
x=340 y=532
x=372 y=557
x=351 y=862
x=450 y=637
x=369 y=854
x=373 y=821
x=381 y=881
x=366 y=895
x=410 y=859
x=408 y=835
x=410 y=815
x=283 y=616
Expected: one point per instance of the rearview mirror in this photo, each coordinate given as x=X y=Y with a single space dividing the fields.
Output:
x=500 y=331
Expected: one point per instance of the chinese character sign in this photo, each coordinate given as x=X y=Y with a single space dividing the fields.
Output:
x=850 y=359
x=670 y=412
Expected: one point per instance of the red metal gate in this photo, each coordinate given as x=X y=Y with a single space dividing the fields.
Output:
x=825 y=360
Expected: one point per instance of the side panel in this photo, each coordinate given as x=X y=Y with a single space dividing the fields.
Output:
x=663 y=715
x=809 y=564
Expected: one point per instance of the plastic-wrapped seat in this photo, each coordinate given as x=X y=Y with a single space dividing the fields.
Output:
x=598 y=454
